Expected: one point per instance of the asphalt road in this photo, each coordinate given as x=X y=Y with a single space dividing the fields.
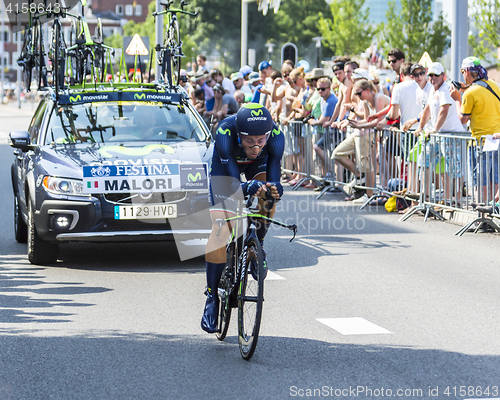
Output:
x=359 y=305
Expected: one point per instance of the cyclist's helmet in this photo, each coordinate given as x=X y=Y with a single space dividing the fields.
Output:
x=254 y=119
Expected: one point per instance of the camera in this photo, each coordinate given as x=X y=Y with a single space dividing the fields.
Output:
x=457 y=85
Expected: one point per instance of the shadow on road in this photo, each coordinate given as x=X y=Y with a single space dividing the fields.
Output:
x=20 y=283
x=128 y=366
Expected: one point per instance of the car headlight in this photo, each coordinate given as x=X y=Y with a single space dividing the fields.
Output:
x=64 y=186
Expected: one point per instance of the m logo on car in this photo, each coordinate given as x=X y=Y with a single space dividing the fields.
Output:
x=194 y=178
x=74 y=99
x=140 y=96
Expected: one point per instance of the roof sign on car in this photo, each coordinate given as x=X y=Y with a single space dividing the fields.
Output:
x=81 y=98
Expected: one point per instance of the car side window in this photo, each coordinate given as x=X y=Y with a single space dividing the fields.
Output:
x=36 y=122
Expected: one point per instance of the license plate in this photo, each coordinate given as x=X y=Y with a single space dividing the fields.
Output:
x=146 y=211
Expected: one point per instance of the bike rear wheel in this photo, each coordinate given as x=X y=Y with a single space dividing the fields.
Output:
x=39 y=70
x=250 y=299
x=225 y=291
x=58 y=53
x=26 y=58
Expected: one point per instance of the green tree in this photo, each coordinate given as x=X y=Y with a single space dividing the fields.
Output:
x=412 y=30
x=485 y=14
x=347 y=32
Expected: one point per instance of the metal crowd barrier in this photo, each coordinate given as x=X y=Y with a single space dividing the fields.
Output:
x=447 y=171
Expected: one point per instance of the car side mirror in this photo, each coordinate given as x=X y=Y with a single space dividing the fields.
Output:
x=20 y=140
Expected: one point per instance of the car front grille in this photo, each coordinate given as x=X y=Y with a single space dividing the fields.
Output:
x=158 y=198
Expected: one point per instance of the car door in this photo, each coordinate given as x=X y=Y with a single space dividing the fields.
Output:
x=24 y=160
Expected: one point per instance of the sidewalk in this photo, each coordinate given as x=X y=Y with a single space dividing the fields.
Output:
x=11 y=110
x=13 y=118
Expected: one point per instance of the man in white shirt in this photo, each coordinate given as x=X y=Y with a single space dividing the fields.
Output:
x=442 y=113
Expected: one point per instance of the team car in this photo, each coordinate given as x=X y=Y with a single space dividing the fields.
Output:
x=110 y=164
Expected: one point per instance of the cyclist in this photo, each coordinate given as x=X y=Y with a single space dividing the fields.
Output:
x=247 y=143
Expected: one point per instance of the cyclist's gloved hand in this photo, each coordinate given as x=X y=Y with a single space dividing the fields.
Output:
x=251 y=187
x=279 y=187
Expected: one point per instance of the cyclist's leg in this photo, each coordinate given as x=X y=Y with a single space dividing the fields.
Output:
x=224 y=204
x=258 y=172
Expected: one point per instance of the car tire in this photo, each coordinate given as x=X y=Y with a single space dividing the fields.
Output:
x=40 y=251
x=20 y=227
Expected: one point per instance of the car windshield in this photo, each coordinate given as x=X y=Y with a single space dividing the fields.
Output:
x=104 y=122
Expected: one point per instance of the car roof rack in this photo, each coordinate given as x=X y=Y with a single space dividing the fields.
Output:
x=123 y=91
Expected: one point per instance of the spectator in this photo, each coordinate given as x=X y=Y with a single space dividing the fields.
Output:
x=201 y=60
x=226 y=83
x=404 y=99
x=345 y=90
x=443 y=114
x=479 y=104
x=328 y=102
x=358 y=142
x=245 y=71
x=239 y=96
x=254 y=81
x=423 y=90
x=224 y=105
x=396 y=58
x=265 y=70
x=239 y=83
x=349 y=68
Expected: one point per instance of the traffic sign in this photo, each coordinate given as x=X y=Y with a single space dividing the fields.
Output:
x=137 y=47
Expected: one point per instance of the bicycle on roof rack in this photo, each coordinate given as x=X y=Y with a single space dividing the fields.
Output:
x=31 y=59
x=87 y=53
x=242 y=282
x=169 y=55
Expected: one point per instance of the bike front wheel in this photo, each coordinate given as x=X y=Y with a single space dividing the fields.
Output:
x=250 y=299
x=174 y=61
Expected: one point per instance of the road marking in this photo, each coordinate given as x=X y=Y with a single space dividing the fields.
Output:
x=353 y=326
x=273 y=276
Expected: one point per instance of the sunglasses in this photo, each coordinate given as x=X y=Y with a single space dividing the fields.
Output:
x=416 y=74
x=323 y=88
x=254 y=143
x=312 y=80
x=434 y=75
x=392 y=61
x=358 y=93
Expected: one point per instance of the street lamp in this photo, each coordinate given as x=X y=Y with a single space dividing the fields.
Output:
x=318 y=40
x=270 y=47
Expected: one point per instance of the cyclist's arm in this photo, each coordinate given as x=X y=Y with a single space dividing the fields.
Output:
x=276 y=147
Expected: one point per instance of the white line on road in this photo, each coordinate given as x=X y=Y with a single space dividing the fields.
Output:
x=353 y=326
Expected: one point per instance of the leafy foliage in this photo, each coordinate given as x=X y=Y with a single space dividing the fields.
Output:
x=412 y=30
x=487 y=20
x=347 y=32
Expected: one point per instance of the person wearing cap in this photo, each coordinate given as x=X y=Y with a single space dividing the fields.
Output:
x=443 y=116
x=478 y=102
x=265 y=69
x=245 y=71
x=226 y=83
x=251 y=144
x=424 y=88
x=239 y=83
